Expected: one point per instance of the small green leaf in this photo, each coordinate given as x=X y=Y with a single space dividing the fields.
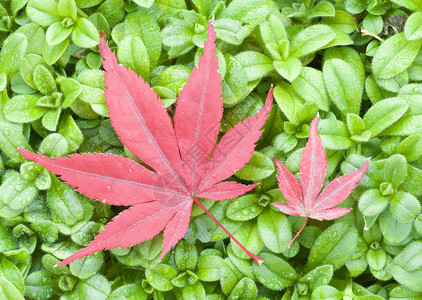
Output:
x=310 y=39
x=393 y=230
x=383 y=114
x=334 y=246
x=274 y=273
x=395 y=170
x=40 y=285
x=57 y=33
x=43 y=12
x=334 y=134
x=407 y=267
x=67 y=8
x=317 y=277
x=131 y=291
x=274 y=230
x=12 y=52
x=96 y=287
x=256 y=65
x=405 y=207
x=244 y=289
x=85 y=34
x=249 y=237
x=310 y=86
x=235 y=84
x=373 y=24
x=342 y=85
x=289 y=68
x=23 y=109
x=209 y=268
x=43 y=80
x=322 y=9
x=395 y=55
x=288 y=101
x=372 y=202
x=258 y=168
x=185 y=256
x=244 y=208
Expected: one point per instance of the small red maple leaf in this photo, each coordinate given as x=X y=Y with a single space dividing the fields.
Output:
x=186 y=162
x=303 y=199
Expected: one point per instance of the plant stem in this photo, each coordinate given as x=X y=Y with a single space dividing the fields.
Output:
x=297 y=234
x=256 y=258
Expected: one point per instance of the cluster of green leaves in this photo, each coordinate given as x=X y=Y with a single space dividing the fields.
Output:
x=358 y=63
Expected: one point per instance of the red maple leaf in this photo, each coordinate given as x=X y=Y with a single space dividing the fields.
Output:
x=186 y=162
x=303 y=199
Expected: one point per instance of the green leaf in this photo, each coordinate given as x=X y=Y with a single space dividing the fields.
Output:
x=405 y=207
x=52 y=54
x=414 y=5
x=235 y=84
x=194 y=291
x=310 y=40
x=393 y=231
x=71 y=132
x=17 y=192
x=244 y=289
x=11 y=273
x=209 y=268
x=144 y=27
x=34 y=35
x=374 y=91
x=40 y=285
x=57 y=33
x=96 y=287
x=376 y=259
x=274 y=230
x=66 y=204
x=372 y=202
x=410 y=147
x=341 y=21
x=395 y=170
x=317 y=277
x=244 y=265
x=334 y=134
x=373 y=24
x=229 y=30
x=244 y=208
x=310 y=86
x=256 y=65
x=23 y=109
x=394 y=56
x=322 y=9
x=12 y=52
x=131 y=291
x=87 y=266
x=43 y=80
x=248 y=236
x=43 y=12
x=185 y=256
x=383 y=114
x=342 y=85
x=413 y=27
x=134 y=55
x=326 y=292
x=258 y=168
x=251 y=12
x=334 y=246
x=407 y=266
x=85 y=34
x=67 y=8
x=288 y=101
x=289 y=68
x=274 y=273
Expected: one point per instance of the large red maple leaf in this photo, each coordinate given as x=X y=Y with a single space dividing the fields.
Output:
x=186 y=161
x=305 y=199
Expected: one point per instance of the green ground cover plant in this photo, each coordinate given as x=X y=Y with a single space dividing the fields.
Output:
x=357 y=64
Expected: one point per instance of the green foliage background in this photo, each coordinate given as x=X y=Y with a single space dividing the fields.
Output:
x=358 y=63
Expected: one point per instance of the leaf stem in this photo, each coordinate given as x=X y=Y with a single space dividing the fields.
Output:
x=256 y=258
x=297 y=234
